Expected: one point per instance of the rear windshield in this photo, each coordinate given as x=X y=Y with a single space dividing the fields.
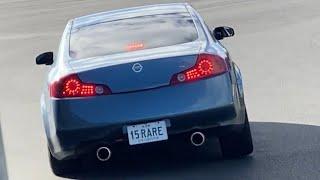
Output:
x=132 y=34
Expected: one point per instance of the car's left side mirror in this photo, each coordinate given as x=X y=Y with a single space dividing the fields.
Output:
x=222 y=32
x=45 y=58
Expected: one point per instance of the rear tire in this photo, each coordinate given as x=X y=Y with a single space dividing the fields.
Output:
x=236 y=145
x=63 y=167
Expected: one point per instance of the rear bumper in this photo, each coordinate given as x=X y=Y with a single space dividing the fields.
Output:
x=203 y=105
x=215 y=122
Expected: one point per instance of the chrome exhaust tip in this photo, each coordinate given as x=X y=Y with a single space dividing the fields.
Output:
x=103 y=153
x=197 y=138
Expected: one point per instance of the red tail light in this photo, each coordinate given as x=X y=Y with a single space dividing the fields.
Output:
x=72 y=86
x=207 y=65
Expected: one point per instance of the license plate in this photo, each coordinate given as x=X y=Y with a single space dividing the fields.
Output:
x=146 y=133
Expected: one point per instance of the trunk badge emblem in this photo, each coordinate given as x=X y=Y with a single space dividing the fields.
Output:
x=137 y=67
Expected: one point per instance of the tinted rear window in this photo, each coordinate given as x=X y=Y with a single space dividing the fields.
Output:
x=132 y=34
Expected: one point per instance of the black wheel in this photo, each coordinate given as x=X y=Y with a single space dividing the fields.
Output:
x=63 y=167
x=237 y=144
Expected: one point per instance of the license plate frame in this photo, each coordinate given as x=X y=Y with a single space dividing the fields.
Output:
x=147 y=132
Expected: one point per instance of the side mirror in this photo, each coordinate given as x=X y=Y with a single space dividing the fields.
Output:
x=222 y=32
x=45 y=58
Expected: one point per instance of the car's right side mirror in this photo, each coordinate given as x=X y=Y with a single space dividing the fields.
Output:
x=222 y=32
x=45 y=58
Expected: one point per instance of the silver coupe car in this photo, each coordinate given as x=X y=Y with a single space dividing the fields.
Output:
x=141 y=75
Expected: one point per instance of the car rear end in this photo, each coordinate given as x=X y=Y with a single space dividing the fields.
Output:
x=140 y=80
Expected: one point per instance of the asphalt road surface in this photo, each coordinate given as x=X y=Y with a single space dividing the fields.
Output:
x=276 y=45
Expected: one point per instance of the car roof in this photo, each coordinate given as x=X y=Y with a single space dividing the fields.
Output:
x=129 y=13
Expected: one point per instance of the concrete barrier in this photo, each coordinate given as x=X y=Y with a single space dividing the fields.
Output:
x=3 y=165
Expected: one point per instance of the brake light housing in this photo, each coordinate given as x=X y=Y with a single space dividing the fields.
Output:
x=207 y=65
x=71 y=86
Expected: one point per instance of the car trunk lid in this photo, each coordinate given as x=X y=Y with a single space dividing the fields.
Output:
x=138 y=75
x=138 y=70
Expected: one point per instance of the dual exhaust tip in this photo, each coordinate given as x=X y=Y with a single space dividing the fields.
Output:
x=197 y=138
x=104 y=153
